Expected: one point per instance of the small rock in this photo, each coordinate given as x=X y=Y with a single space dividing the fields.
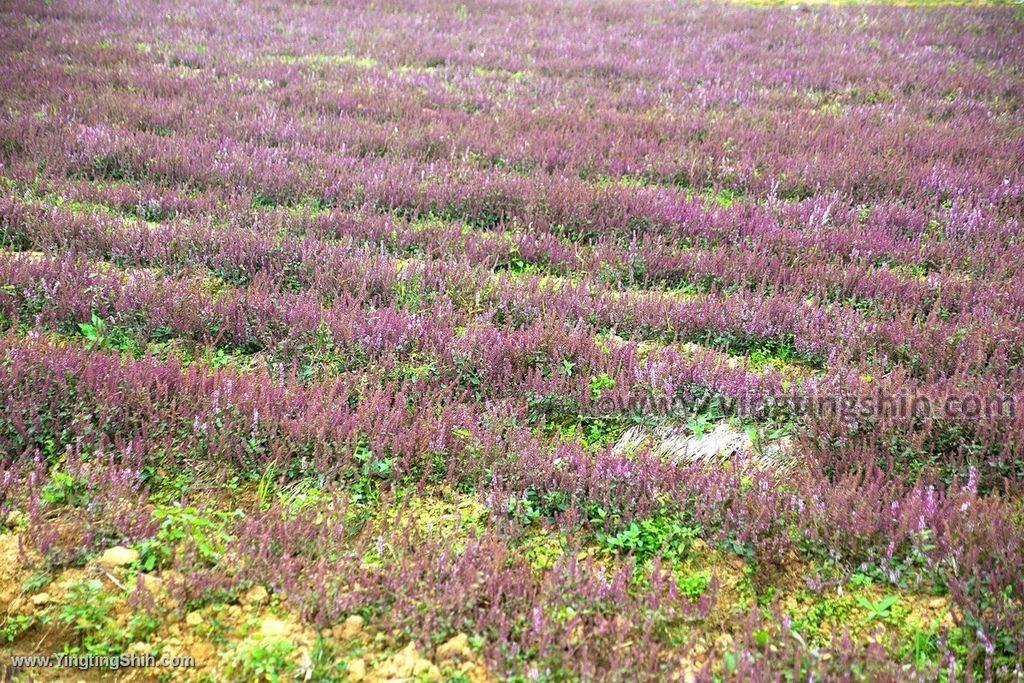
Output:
x=202 y=650
x=402 y=664
x=193 y=618
x=254 y=596
x=350 y=628
x=40 y=599
x=139 y=649
x=355 y=670
x=150 y=583
x=424 y=668
x=274 y=627
x=409 y=663
x=118 y=556
x=456 y=648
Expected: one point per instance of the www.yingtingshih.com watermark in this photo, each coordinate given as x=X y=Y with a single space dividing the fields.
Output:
x=18 y=664
x=845 y=406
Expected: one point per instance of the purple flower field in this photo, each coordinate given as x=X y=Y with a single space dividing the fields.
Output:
x=511 y=340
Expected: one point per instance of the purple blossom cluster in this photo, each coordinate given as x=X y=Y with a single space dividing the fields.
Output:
x=396 y=248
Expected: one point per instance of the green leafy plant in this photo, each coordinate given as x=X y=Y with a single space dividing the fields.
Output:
x=879 y=609
x=599 y=383
x=88 y=610
x=14 y=625
x=301 y=495
x=921 y=644
x=64 y=490
x=645 y=538
x=860 y=581
x=206 y=531
x=219 y=358
x=694 y=585
x=704 y=418
x=267 y=659
x=326 y=666
x=36 y=581
x=95 y=332
x=700 y=424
